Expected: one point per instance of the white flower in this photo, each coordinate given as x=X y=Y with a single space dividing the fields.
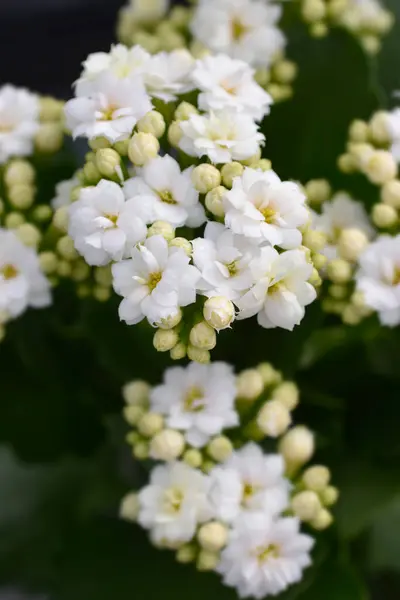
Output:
x=281 y=291
x=262 y=207
x=103 y=225
x=249 y=481
x=228 y=83
x=222 y=136
x=168 y=74
x=379 y=278
x=243 y=29
x=63 y=192
x=223 y=259
x=198 y=399
x=265 y=556
x=161 y=192
x=19 y=115
x=393 y=124
x=155 y=282
x=174 y=503
x=22 y=283
x=110 y=108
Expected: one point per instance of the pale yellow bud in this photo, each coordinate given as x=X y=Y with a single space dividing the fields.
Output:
x=142 y=148
x=165 y=339
x=99 y=143
x=219 y=312
x=180 y=16
x=91 y=173
x=42 y=213
x=319 y=261
x=313 y=10
x=48 y=262
x=101 y=294
x=262 y=76
x=80 y=271
x=150 y=424
x=351 y=315
x=28 y=234
x=163 y=228
x=220 y=448
x=133 y=414
x=193 y=458
x=212 y=536
x=153 y=122
x=347 y=163
x=108 y=162
x=50 y=109
x=319 y=30
x=339 y=270
x=167 y=445
x=172 y=41
x=361 y=153
x=136 y=392
x=252 y=159
x=198 y=355
x=14 y=220
x=335 y=8
x=273 y=418
x=380 y=167
x=49 y=138
x=322 y=521
x=64 y=268
x=183 y=243
x=205 y=178
x=21 y=195
x=83 y=291
x=297 y=445
x=198 y=50
x=359 y=131
x=184 y=111
x=390 y=193
x=269 y=375
x=122 y=147
x=371 y=44
x=179 y=351
x=214 y=201
x=318 y=191
x=148 y=41
x=171 y=321
x=230 y=171
x=330 y=495
x=352 y=242
x=203 y=336
x=129 y=507
x=314 y=240
x=316 y=478
x=186 y=554
x=249 y=384
x=66 y=248
x=174 y=134
x=103 y=276
x=141 y=450
x=384 y=216
x=287 y=393
x=306 y=505
x=284 y=71
x=19 y=171
x=358 y=299
x=339 y=292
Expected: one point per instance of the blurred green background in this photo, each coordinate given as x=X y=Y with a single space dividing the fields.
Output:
x=63 y=462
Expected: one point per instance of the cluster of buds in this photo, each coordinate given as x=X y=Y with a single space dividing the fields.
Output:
x=313 y=496
x=368 y=21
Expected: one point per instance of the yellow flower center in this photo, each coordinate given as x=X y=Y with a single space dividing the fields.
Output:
x=153 y=280
x=230 y=89
x=396 y=276
x=6 y=127
x=249 y=490
x=172 y=500
x=194 y=400
x=276 y=287
x=238 y=29
x=112 y=218
x=268 y=213
x=8 y=272
x=264 y=553
x=107 y=114
x=232 y=268
x=167 y=197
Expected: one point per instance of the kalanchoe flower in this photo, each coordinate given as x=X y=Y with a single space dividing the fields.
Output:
x=155 y=282
x=103 y=225
x=63 y=192
x=198 y=399
x=264 y=556
x=262 y=207
x=168 y=74
x=19 y=121
x=161 y=192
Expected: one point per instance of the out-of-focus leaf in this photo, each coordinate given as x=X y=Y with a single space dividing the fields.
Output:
x=336 y=581
x=384 y=551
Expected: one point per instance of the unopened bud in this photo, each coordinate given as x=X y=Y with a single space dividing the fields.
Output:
x=203 y=336
x=318 y=191
x=352 y=242
x=153 y=122
x=165 y=339
x=273 y=418
x=319 y=261
x=136 y=392
x=347 y=163
x=359 y=131
x=101 y=293
x=142 y=148
x=380 y=167
x=66 y=248
x=108 y=161
x=179 y=351
x=230 y=171
x=213 y=536
x=306 y=505
x=390 y=193
x=49 y=138
x=322 y=521
x=284 y=71
x=264 y=164
x=48 y=262
x=379 y=128
x=314 y=240
x=313 y=10
x=99 y=143
x=163 y=228
x=174 y=134
x=28 y=234
x=133 y=414
x=50 y=109
x=183 y=243
x=384 y=215
x=316 y=478
x=205 y=178
x=339 y=270
x=198 y=355
x=171 y=321
x=150 y=424
x=330 y=495
x=219 y=312
x=184 y=111
x=19 y=171
x=297 y=445
x=21 y=195
x=249 y=384
x=167 y=445
x=207 y=561
x=214 y=201
x=141 y=450
x=220 y=448
x=193 y=458
x=14 y=220
x=186 y=554
x=288 y=394
x=270 y=376
x=130 y=507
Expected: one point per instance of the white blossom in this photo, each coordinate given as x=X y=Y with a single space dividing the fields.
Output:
x=224 y=260
x=19 y=121
x=161 y=192
x=393 y=124
x=103 y=225
x=63 y=192
x=174 y=503
x=22 y=283
x=378 y=278
x=249 y=481
x=110 y=108
x=197 y=399
x=228 y=83
x=222 y=136
x=265 y=556
x=281 y=290
x=155 y=282
x=262 y=207
x=244 y=29
x=168 y=74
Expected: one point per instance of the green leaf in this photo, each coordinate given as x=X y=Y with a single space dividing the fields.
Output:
x=384 y=548
x=336 y=582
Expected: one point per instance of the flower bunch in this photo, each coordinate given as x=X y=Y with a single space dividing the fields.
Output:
x=219 y=499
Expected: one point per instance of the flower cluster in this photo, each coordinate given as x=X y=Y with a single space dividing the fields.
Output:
x=235 y=511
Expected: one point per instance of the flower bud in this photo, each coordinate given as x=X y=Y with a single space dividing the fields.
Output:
x=101 y=293
x=316 y=478
x=339 y=292
x=49 y=138
x=323 y=520
x=205 y=178
x=186 y=554
x=297 y=446
x=19 y=171
x=171 y=321
x=14 y=220
x=198 y=355
x=229 y=171
x=180 y=16
x=193 y=458
x=352 y=242
x=165 y=339
x=319 y=261
x=64 y=268
x=380 y=167
x=163 y=228
x=28 y=234
x=339 y=270
x=212 y=536
x=174 y=134
x=284 y=71
x=249 y=384
x=80 y=271
x=141 y=450
x=167 y=445
x=183 y=243
x=313 y=10
x=42 y=213
x=359 y=131
x=288 y=394
x=248 y=162
x=184 y=111
x=318 y=30
x=129 y=507
x=150 y=424
x=203 y=336
x=318 y=191
x=264 y=164
x=390 y=193
x=384 y=216
x=153 y=122
x=198 y=50
x=306 y=505
x=314 y=240
x=347 y=163
x=136 y=392
x=21 y=195
x=220 y=448
x=379 y=128
x=219 y=312
x=270 y=376
x=214 y=201
x=142 y=148
x=50 y=109
x=91 y=173
x=48 y=262
x=273 y=418
x=99 y=143
x=148 y=41
x=361 y=152
x=66 y=248
x=179 y=351
x=133 y=414
x=108 y=162
x=329 y=495
x=103 y=275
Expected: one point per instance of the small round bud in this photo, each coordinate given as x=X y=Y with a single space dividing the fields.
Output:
x=91 y=173
x=203 y=336
x=306 y=505
x=153 y=122
x=219 y=312
x=347 y=163
x=122 y=147
x=352 y=242
x=205 y=178
x=220 y=448
x=66 y=248
x=21 y=195
x=284 y=71
x=359 y=131
x=198 y=50
x=14 y=220
x=136 y=392
x=50 y=109
x=193 y=458
x=390 y=193
x=230 y=171
x=83 y=291
x=207 y=561
x=133 y=414
x=316 y=478
x=184 y=111
x=351 y=315
x=273 y=418
x=42 y=213
x=339 y=270
x=49 y=138
x=129 y=507
x=64 y=268
x=103 y=276
x=297 y=446
x=174 y=134
x=319 y=261
x=171 y=321
x=249 y=384
x=107 y=162
x=167 y=445
x=318 y=191
x=379 y=128
x=80 y=271
x=212 y=536
x=380 y=167
x=262 y=76
x=323 y=520
x=186 y=554
x=148 y=41
x=19 y=171
x=48 y=262
x=150 y=424
x=198 y=355
x=314 y=240
x=264 y=164
x=313 y=10
x=214 y=201
x=165 y=339
x=101 y=294
x=384 y=216
x=28 y=234
x=339 y=292
x=141 y=450
x=142 y=148
x=248 y=162
x=178 y=352
x=335 y=8
x=180 y=16
x=163 y=228
x=270 y=376
x=183 y=243
x=318 y=30
x=361 y=153
x=315 y=278
x=330 y=495
x=288 y=394
x=99 y=143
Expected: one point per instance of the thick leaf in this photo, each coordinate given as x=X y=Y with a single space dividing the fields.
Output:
x=385 y=539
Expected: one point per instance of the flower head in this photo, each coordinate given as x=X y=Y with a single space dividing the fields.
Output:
x=168 y=74
x=63 y=192
x=19 y=121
